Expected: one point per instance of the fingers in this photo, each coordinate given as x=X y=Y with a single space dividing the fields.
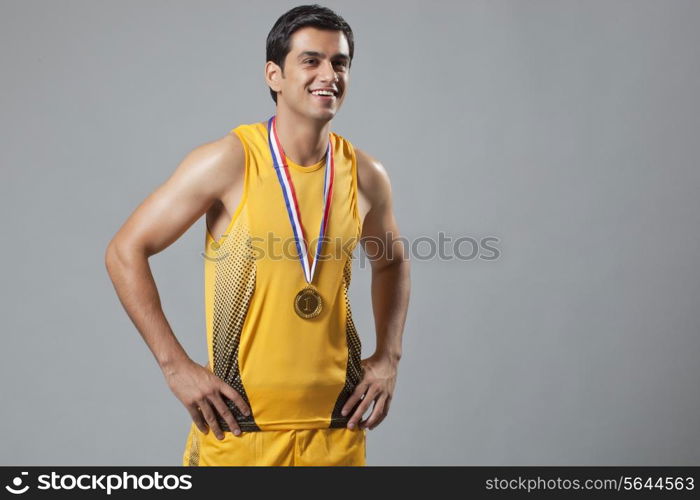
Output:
x=209 y=416
x=208 y=407
x=354 y=398
x=378 y=414
x=236 y=397
x=197 y=418
x=227 y=415
x=361 y=409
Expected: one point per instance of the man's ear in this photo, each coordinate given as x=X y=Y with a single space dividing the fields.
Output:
x=273 y=74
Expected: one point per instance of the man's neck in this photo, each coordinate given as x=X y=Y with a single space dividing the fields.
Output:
x=304 y=141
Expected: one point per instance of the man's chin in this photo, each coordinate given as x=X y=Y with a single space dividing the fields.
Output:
x=322 y=116
x=316 y=114
x=327 y=113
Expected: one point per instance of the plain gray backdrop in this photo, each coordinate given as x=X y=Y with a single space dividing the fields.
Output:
x=566 y=129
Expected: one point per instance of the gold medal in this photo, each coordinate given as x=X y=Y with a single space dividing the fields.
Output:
x=308 y=303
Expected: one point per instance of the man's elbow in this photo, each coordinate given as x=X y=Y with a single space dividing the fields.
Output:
x=111 y=257
x=397 y=263
x=117 y=254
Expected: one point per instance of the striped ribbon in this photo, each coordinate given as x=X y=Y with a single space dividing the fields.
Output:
x=290 y=198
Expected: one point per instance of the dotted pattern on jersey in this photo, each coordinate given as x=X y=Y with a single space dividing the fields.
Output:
x=234 y=288
x=353 y=374
x=194 y=450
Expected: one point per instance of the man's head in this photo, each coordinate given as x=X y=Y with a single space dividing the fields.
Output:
x=309 y=48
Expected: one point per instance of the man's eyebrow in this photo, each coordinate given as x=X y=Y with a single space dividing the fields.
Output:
x=313 y=53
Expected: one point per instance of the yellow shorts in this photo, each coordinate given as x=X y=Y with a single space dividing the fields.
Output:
x=300 y=447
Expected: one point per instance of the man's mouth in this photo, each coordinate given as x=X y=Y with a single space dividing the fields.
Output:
x=325 y=94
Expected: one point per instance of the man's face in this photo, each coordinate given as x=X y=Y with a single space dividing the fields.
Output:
x=318 y=59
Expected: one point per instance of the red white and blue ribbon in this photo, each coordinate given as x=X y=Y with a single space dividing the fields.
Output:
x=290 y=198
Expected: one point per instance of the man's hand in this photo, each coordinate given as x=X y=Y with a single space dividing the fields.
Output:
x=377 y=385
x=199 y=389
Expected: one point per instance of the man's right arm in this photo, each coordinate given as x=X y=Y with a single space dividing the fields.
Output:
x=202 y=178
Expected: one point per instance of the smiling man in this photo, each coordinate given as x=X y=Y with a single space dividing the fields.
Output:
x=286 y=201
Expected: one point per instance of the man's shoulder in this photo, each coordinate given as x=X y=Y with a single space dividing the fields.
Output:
x=366 y=161
x=216 y=164
x=223 y=152
x=372 y=178
x=248 y=130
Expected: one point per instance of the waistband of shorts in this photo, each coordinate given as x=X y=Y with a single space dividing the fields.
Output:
x=247 y=424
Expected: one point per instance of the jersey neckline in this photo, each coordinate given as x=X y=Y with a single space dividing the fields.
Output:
x=310 y=168
x=294 y=165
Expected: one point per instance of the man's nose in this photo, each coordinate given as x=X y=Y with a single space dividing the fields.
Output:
x=328 y=73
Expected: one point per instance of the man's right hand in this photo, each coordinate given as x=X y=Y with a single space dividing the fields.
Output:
x=200 y=391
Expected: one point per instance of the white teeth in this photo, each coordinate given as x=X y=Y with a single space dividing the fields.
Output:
x=322 y=92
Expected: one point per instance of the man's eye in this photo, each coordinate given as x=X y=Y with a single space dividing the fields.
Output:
x=309 y=60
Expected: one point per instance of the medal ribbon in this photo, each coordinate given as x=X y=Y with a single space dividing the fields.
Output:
x=290 y=198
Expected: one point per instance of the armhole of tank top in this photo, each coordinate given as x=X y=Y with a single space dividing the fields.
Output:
x=355 y=192
x=244 y=194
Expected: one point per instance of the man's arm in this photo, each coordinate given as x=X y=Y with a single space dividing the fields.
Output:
x=391 y=285
x=200 y=180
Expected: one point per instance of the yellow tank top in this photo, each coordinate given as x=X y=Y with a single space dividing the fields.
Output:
x=294 y=373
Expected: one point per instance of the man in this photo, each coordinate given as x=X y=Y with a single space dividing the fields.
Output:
x=285 y=384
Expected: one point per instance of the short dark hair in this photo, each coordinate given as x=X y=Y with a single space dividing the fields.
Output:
x=279 y=38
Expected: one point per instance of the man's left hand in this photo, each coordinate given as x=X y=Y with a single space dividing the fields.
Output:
x=377 y=385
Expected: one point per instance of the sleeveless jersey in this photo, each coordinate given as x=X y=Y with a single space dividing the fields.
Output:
x=294 y=373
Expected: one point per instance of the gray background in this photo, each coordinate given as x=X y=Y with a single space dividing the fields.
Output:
x=568 y=130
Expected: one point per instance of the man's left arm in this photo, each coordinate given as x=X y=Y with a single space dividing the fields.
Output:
x=391 y=286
